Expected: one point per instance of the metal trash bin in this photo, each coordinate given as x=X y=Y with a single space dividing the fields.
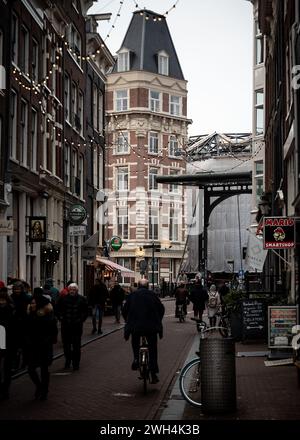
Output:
x=218 y=378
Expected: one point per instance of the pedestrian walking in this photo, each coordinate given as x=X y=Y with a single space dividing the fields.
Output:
x=40 y=335
x=182 y=298
x=212 y=305
x=97 y=299
x=20 y=299
x=198 y=296
x=72 y=311
x=6 y=350
x=117 y=295
x=143 y=312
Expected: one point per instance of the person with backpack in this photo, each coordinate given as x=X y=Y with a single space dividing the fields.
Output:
x=212 y=305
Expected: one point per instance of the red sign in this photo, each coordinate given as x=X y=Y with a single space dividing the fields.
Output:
x=279 y=232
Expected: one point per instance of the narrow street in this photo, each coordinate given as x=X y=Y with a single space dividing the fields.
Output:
x=104 y=388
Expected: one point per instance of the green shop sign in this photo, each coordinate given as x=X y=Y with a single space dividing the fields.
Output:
x=77 y=214
x=116 y=243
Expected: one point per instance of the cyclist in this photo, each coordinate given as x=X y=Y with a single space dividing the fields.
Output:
x=181 y=296
x=143 y=313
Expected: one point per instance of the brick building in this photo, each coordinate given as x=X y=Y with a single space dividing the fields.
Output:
x=48 y=136
x=146 y=106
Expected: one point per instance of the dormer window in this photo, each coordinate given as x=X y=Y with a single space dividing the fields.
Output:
x=123 y=60
x=163 y=63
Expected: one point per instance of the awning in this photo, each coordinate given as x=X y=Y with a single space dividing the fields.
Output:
x=111 y=265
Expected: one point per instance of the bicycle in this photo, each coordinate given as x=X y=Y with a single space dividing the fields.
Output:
x=224 y=322
x=190 y=375
x=180 y=313
x=144 y=363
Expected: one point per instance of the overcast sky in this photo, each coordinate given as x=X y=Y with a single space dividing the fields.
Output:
x=213 y=40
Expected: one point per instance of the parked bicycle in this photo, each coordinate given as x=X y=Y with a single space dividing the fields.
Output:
x=190 y=375
x=224 y=321
x=144 y=363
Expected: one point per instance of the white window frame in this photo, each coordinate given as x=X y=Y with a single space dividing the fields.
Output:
x=153 y=232
x=33 y=146
x=259 y=176
x=173 y=224
x=35 y=61
x=152 y=183
x=154 y=101
x=121 y=100
x=80 y=110
x=156 y=271
x=75 y=43
x=163 y=63
x=100 y=111
x=175 y=105
x=13 y=124
x=24 y=51
x=123 y=61
x=122 y=143
x=122 y=222
x=122 y=182
x=174 y=188
x=259 y=107
x=95 y=106
x=67 y=166
x=24 y=132
x=173 y=145
x=74 y=102
x=67 y=96
x=259 y=46
x=153 y=142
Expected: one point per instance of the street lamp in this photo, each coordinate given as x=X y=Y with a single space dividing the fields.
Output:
x=155 y=248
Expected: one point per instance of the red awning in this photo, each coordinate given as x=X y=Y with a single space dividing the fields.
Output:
x=111 y=265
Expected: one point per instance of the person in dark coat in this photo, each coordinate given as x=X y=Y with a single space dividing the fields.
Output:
x=40 y=335
x=20 y=299
x=198 y=296
x=97 y=299
x=117 y=295
x=181 y=296
x=72 y=310
x=6 y=342
x=143 y=313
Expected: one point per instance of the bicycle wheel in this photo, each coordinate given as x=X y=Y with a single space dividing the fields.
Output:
x=144 y=371
x=190 y=382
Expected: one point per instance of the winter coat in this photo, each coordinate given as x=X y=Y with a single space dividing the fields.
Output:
x=7 y=320
x=211 y=311
x=181 y=295
x=117 y=295
x=198 y=296
x=72 y=310
x=40 y=334
x=98 y=295
x=143 y=313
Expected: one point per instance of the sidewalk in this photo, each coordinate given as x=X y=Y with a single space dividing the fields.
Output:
x=263 y=393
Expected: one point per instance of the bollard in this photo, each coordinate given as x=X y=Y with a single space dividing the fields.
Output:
x=218 y=378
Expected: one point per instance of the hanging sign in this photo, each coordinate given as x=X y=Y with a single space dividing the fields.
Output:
x=6 y=227
x=116 y=243
x=77 y=214
x=279 y=232
x=37 y=229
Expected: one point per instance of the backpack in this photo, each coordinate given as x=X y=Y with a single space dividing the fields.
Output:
x=212 y=300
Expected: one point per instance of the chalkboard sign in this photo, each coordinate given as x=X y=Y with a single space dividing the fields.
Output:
x=281 y=320
x=254 y=319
